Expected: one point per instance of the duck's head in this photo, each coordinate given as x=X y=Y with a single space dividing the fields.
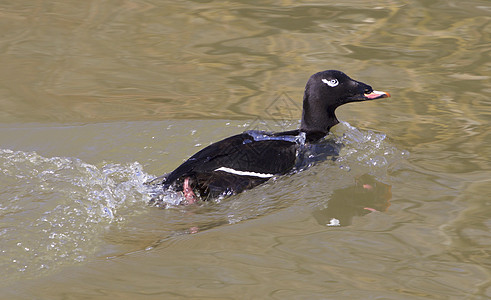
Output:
x=325 y=91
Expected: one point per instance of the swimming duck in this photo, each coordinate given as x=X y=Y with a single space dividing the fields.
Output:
x=245 y=160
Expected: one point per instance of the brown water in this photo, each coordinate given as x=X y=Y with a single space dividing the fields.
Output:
x=98 y=97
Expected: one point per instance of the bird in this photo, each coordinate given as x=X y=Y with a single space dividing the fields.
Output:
x=248 y=159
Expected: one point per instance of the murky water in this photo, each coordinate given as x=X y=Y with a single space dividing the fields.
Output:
x=98 y=97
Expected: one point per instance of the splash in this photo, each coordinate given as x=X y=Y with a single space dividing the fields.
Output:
x=164 y=198
x=53 y=210
x=365 y=149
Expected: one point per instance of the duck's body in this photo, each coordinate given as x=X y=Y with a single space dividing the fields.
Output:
x=246 y=160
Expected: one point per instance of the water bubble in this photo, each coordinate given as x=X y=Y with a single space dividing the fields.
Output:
x=346 y=168
x=333 y=222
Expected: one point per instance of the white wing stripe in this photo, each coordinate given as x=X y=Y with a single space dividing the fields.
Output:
x=244 y=173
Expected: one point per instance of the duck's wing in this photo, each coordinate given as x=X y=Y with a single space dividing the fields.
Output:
x=246 y=154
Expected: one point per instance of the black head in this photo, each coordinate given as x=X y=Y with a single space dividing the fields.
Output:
x=325 y=91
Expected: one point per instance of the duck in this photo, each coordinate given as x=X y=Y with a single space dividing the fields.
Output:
x=246 y=160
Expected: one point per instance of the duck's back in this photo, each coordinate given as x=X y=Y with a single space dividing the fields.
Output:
x=239 y=162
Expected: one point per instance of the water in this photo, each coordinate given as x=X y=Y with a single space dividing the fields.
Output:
x=72 y=203
x=68 y=203
x=99 y=97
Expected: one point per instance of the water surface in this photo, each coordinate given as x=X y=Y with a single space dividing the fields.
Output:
x=98 y=97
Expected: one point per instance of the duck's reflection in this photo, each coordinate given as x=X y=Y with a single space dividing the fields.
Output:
x=367 y=195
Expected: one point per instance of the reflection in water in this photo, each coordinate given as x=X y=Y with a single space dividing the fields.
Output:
x=367 y=195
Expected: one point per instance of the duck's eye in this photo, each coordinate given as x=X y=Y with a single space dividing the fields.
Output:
x=331 y=83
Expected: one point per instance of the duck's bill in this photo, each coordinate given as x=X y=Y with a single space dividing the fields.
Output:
x=376 y=95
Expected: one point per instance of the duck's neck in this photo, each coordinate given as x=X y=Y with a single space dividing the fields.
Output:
x=317 y=116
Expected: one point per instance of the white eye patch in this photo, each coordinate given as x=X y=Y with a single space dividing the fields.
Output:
x=331 y=83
